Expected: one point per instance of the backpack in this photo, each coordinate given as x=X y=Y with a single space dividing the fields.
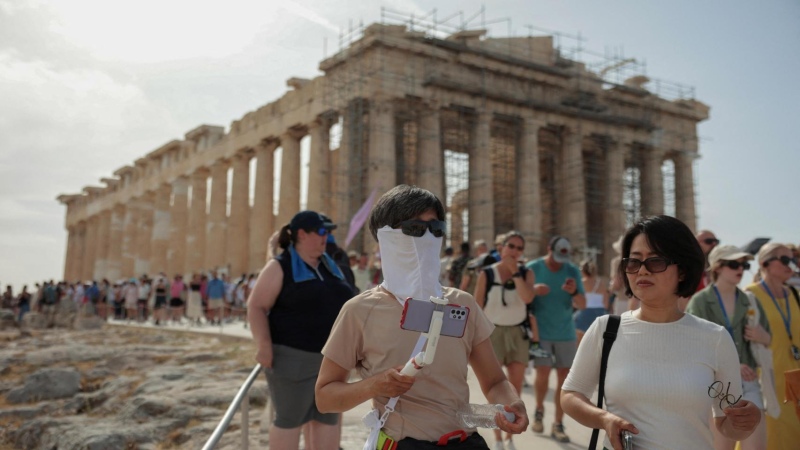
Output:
x=490 y=282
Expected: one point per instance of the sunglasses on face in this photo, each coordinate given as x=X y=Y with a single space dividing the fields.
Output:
x=416 y=228
x=735 y=265
x=711 y=241
x=785 y=260
x=655 y=264
x=322 y=231
x=515 y=247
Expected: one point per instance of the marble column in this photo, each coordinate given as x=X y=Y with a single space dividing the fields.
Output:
x=179 y=218
x=239 y=220
x=144 y=235
x=652 y=183
x=162 y=217
x=196 y=233
x=319 y=164
x=217 y=220
x=382 y=152
x=430 y=163
x=572 y=210
x=614 y=218
x=348 y=181
x=529 y=211
x=102 y=246
x=382 y=167
x=75 y=256
x=262 y=217
x=114 y=266
x=481 y=196
x=289 y=203
x=70 y=252
x=684 y=189
x=90 y=249
x=130 y=231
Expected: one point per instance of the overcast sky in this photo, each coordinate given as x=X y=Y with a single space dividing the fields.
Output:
x=87 y=86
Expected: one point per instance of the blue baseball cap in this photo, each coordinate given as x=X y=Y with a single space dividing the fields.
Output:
x=310 y=220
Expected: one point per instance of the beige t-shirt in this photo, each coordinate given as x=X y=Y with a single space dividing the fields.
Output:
x=367 y=336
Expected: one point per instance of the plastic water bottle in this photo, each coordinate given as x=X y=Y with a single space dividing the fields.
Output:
x=481 y=416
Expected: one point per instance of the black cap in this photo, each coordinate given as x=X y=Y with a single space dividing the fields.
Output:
x=310 y=220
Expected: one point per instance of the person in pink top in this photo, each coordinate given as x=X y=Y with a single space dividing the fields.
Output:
x=176 y=298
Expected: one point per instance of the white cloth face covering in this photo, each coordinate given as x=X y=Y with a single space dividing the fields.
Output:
x=410 y=264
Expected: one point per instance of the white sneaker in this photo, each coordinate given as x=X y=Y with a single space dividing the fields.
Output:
x=510 y=445
x=498 y=445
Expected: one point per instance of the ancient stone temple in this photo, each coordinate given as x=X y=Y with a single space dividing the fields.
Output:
x=509 y=132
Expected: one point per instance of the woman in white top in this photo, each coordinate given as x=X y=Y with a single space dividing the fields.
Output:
x=504 y=301
x=666 y=369
x=596 y=299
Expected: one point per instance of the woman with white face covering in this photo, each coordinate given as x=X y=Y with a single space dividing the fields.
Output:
x=408 y=224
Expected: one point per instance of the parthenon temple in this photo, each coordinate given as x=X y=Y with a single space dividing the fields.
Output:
x=510 y=132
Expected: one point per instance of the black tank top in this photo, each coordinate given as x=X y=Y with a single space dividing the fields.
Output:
x=304 y=313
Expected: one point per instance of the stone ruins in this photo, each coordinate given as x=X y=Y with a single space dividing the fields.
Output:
x=511 y=132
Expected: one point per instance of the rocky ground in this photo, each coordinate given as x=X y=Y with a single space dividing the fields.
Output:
x=128 y=388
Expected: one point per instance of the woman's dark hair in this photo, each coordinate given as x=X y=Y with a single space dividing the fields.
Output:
x=671 y=239
x=285 y=237
x=402 y=202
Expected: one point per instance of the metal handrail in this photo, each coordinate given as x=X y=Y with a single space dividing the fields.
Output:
x=226 y=420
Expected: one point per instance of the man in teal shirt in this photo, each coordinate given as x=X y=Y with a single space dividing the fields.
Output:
x=552 y=307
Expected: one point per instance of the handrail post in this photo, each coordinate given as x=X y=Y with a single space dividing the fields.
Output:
x=246 y=422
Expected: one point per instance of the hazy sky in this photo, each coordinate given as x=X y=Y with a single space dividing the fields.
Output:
x=87 y=86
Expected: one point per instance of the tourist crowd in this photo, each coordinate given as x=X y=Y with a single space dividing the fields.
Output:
x=547 y=313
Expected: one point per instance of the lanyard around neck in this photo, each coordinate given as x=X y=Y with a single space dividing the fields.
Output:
x=728 y=325
x=787 y=319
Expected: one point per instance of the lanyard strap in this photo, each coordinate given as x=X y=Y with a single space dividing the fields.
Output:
x=728 y=325
x=787 y=319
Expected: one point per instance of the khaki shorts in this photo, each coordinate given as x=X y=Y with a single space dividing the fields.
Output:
x=510 y=344
x=215 y=303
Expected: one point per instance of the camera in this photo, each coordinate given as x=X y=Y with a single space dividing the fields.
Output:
x=627 y=439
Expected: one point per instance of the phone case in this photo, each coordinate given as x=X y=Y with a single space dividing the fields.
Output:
x=417 y=315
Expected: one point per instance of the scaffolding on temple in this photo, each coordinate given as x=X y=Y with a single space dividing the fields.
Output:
x=354 y=76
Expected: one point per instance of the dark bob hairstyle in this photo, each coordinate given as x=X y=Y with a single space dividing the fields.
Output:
x=672 y=239
x=402 y=202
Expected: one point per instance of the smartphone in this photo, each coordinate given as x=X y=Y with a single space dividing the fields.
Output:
x=417 y=315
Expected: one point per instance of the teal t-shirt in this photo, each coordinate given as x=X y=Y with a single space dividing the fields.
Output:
x=554 y=310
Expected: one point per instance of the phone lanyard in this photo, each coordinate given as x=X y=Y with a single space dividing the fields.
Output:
x=728 y=325
x=787 y=319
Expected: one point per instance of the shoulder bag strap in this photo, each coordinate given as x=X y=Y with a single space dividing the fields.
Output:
x=608 y=340
x=796 y=295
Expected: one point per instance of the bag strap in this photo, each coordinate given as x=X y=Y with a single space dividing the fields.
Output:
x=608 y=340
x=796 y=295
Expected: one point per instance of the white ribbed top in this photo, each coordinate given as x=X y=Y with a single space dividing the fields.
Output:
x=658 y=377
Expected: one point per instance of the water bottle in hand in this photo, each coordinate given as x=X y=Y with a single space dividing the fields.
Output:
x=481 y=416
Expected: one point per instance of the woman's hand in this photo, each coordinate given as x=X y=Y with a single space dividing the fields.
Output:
x=520 y=423
x=743 y=416
x=264 y=355
x=748 y=374
x=614 y=425
x=391 y=383
x=757 y=334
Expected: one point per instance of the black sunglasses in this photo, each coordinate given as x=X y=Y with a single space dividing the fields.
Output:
x=655 y=264
x=785 y=260
x=515 y=247
x=736 y=264
x=416 y=228
x=711 y=241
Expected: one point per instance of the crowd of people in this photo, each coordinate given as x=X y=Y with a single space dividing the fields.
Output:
x=207 y=298
x=698 y=362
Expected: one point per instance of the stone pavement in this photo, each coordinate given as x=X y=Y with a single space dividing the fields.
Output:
x=354 y=433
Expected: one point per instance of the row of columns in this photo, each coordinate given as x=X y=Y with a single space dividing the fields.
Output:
x=152 y=234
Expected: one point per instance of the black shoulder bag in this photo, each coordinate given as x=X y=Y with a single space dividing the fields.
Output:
x=608 y=340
